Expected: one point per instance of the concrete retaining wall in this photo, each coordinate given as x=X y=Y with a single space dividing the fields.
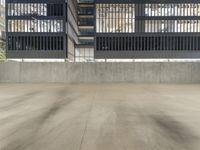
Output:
x=162 y=72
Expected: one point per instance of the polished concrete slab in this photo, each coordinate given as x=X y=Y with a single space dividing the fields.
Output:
x=99 y=117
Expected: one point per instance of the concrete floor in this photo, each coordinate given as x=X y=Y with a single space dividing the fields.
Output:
x=99 y=117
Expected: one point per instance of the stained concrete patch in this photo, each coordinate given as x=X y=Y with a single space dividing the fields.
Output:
x=178 y=135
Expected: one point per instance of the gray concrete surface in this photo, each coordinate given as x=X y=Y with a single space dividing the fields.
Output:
x=99 y=117
x=159 y=72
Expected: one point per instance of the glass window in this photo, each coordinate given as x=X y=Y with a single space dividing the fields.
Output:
x=172 y=9
x=115 y=18
x=37 y=9
x=35 y=25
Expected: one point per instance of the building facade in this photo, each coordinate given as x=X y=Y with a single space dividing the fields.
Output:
x=2 y=20
x=85 y=30
x=40 y=29
x=84 y=51
x=147 y=29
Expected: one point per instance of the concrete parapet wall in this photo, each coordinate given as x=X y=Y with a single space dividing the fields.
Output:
x=139 y=72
